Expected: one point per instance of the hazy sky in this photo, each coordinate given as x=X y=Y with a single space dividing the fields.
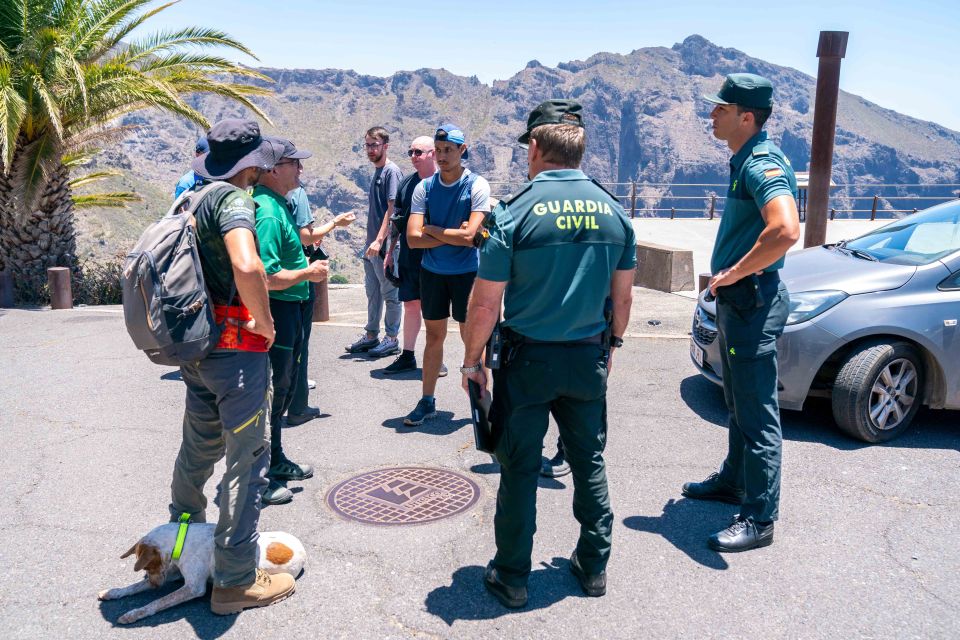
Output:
x=901 y=55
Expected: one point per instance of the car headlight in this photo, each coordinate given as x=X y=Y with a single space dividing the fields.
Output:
x=809 y=304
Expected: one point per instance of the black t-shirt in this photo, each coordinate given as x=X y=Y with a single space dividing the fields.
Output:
x=222 y=210
x=409 y=258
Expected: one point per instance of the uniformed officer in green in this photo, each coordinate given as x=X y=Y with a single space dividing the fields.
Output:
x=559 y=249
x=759 y=224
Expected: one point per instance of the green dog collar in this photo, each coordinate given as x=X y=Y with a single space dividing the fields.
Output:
x=181 y=535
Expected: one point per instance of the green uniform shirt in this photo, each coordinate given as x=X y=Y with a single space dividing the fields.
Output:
x=557 y=244
x=280 y=246
x=759 y=172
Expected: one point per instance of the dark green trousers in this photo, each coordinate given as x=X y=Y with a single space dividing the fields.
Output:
x=570 y=381
x=748 y=346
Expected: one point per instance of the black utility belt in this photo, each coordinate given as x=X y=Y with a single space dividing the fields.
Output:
x=519 y=338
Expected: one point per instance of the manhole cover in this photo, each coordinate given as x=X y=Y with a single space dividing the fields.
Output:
x=405 y=495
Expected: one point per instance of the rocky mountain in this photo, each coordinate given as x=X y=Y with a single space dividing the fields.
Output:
x=645 y=122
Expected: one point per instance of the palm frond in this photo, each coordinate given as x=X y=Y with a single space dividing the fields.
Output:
x=30 y=169
x=122 y=30
x=199 y=63
x=117 y=200
x=51 y=108
x=165 y=41
x=99 y=20
x=90 y=178
x=78 y=157
x=12 y=112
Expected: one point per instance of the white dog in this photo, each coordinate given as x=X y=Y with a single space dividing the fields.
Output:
x=279 y=553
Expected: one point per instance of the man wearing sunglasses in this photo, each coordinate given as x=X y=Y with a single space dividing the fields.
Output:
x=380 y=291
x=408 y=260
x=288 y=275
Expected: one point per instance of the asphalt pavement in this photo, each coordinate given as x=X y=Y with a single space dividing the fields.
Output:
x=867 y=545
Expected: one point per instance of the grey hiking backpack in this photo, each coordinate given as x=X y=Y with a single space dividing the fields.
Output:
x=166 y=306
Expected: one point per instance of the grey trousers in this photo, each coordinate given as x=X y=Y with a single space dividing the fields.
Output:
x=380 y=292
x=226 y=414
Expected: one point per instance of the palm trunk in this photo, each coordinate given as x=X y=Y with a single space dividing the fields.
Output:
x=32 y=241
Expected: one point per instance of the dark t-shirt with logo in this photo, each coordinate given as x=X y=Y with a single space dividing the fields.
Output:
x=225 y=209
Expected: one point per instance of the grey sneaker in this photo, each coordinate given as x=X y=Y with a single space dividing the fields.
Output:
x=443 y=371
x=362 y=344
x=387 y=347
x=424 y=410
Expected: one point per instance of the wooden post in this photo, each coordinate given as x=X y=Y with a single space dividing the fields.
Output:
x=633 y=199
x=831 y=50
x=833 y=212
x=673 y=212
x=713 y=204
x=321 y=306
x=873 y=210
x=61 y=294
x=703 y=280
x=6 y=289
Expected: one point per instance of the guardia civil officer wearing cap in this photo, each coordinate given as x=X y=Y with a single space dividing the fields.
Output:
x=559 y=249
x=759 y=224
x=225 y=414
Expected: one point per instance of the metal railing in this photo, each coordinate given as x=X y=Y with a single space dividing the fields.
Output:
x=860 y=201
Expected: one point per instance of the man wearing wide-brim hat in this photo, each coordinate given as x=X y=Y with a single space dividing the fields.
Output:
x=227 y=392
x=759 y=225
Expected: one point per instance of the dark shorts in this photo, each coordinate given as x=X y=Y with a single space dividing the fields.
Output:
x=409 y=283
x=438 y=293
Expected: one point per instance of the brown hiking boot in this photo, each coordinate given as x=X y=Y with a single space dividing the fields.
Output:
x=265 y=590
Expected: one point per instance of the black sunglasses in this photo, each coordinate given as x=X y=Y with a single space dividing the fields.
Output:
x=416 y=152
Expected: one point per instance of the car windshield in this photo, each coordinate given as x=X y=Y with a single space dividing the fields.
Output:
x=915 y=240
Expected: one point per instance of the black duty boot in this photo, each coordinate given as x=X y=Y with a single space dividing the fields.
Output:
x=510 y=597
x=594 y=585
x=744 y=534
x=713 y=488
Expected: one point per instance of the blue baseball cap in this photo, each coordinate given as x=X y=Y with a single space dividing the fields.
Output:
x=450 y=132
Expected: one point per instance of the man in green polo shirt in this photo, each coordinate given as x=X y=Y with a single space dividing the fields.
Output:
x=559 y=249
x=759 y=224
x=288 y=277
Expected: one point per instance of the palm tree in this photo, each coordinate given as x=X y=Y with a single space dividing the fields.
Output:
x=68 y=71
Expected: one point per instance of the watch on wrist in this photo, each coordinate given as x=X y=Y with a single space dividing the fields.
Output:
x=474 y=369
x=615 y=342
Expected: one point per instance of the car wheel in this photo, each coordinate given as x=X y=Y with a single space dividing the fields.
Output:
x=878 y=391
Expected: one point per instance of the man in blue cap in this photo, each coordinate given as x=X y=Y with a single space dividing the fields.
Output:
x=445 y=216
x=191 y=179
x=759 y=224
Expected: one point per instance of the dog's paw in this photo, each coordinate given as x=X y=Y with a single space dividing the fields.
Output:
x=128 y=617
x=104 y=595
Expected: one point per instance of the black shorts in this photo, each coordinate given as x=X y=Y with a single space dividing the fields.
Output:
x=409 y=284
x=439 y=292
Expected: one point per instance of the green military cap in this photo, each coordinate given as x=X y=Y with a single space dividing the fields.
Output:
x=554 y=111
x=746 y=90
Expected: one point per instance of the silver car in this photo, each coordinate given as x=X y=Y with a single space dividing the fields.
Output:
x=872 y=325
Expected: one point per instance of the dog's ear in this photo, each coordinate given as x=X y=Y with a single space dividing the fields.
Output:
x=131 y=550
x=148 y=558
